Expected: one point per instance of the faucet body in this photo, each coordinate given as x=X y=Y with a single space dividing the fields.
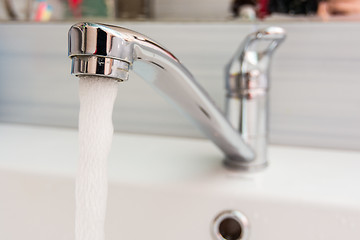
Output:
x=247 y=85
x=109 y=51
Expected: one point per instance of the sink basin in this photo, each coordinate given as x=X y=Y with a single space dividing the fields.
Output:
x=173 y=188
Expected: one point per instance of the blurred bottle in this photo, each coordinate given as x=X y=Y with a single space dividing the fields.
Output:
x=86 y=8
x=133 y=9
x=43 y=11
x=33 y=10
x=243 y=8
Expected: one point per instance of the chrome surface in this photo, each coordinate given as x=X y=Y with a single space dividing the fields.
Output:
x=247 y=85
x=237 y=216
x=101 y=66
x=99 y=50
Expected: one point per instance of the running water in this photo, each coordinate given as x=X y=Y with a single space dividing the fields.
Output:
x=97 y=97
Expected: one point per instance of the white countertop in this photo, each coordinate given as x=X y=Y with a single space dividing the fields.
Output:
x=317 y=175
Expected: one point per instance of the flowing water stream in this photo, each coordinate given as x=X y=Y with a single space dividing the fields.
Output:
x=97 y=97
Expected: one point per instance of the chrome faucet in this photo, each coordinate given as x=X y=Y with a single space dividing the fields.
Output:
x=109 y=51
x=247 y=85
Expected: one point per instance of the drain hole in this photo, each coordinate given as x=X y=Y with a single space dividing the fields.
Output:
x=230 y=225
x=230 y=229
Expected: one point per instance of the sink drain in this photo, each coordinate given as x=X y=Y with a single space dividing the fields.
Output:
x=230 y=225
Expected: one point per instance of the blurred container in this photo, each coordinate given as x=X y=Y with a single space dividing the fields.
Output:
x=133 y=9
x=29 y=10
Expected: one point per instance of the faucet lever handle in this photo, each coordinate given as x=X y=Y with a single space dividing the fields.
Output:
x=271 y=36
x=247 y=84
x=248 y=68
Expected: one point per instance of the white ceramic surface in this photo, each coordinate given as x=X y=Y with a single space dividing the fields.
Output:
x=172 y=188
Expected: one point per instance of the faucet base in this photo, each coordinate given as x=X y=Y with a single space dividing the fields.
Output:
x=241 y=166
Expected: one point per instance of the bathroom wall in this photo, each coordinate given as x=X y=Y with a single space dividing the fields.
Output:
x=315 y=76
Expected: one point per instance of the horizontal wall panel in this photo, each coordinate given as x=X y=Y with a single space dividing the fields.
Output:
x=315 y=79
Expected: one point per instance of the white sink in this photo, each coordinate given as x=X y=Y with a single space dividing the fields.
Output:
x=172 y=188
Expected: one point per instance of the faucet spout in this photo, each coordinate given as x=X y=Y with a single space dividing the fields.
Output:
x=109 y=51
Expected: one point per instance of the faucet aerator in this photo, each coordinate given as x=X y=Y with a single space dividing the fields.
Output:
x=85 y=65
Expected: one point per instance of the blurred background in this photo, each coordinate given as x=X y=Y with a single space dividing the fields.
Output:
x=315 y=74
x=201 y=10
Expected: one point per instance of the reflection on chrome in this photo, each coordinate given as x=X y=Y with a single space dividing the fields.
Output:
x=109 y=51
